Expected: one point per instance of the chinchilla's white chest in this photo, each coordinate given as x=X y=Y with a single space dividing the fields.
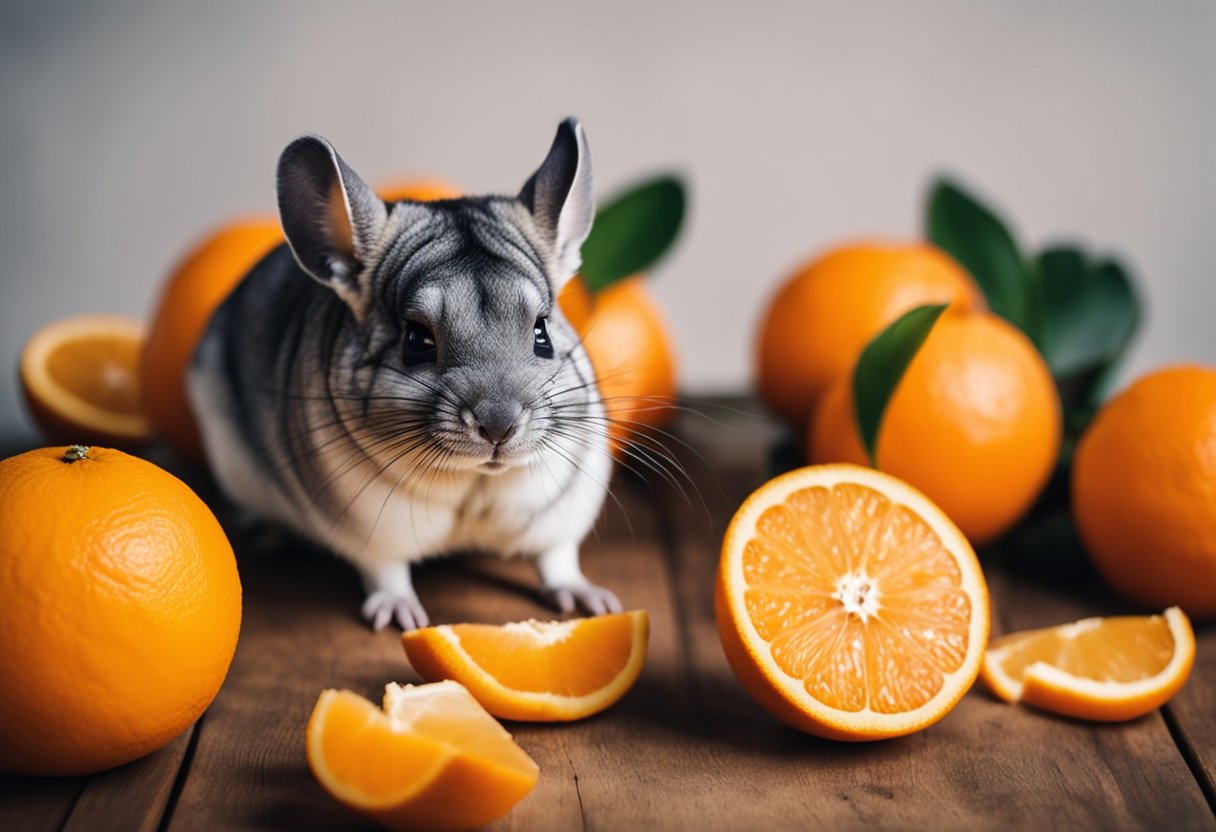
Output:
x=410 y=515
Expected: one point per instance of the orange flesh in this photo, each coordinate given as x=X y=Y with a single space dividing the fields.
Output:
x=1125 y=649
x=585 y=660
x=360 y=747
x=100 y=370
x=857 y=597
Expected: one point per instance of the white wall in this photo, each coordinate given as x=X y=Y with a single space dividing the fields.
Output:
x=128 y=128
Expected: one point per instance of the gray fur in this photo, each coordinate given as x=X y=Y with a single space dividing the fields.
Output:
x=313 y=415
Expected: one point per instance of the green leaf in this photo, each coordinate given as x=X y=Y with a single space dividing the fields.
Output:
x=633 y=231
x=882 y=365
x=978 y=239
x=1090 y=311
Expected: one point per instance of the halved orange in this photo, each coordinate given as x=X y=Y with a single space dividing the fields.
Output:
x=849 y=605
x=431 y=759
x=80 y=383
x=1107 y=669
x=538 y=671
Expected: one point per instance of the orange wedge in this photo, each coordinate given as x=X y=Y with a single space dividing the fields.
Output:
x=849 y=605
x=1107 y=669
x=79 y=380
x=432 y=759
x=537 y=671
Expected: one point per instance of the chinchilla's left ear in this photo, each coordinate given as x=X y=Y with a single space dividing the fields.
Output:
x=331 y=218
x=560 y=199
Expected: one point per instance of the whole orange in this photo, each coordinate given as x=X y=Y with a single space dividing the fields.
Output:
x=1144 y=490
x=828 y=310
x=975 y=423
x=121 y=609
x=416 y=189
x=626 y=338
x=193 y=291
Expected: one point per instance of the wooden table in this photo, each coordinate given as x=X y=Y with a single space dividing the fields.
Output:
x=686 y=748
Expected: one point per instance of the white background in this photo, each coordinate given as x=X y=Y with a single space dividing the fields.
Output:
x=129 y=128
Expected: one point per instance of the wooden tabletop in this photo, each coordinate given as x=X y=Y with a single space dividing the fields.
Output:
x=686 y=748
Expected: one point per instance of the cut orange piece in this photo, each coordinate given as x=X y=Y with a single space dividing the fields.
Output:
x=1107 y=669
x=432 y=759
x=537 y=671
x=849 y=605
x=79 y=380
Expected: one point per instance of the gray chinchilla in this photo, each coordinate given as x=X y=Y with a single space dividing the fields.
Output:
x=398 y=381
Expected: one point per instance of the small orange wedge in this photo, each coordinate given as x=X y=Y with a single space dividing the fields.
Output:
x=80 y=383
x=1106 y=669
x=432 y=759
x=849 y=605
x=537 y=671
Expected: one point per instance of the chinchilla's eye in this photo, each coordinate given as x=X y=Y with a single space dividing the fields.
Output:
x=541 y=345
x=419 y=343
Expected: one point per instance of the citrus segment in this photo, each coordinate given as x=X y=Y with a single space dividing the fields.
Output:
x=849 y=605
x=432 y=758
x=79 y=380
x=1107 y=669
x=533 y=670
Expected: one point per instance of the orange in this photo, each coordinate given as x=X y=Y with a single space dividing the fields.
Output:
x=828 y=310
x=626 y=338
x=1144 y=490
x=849 y=605
x=975 y=423
x=1107 y=669
x=432 y=759
x=193 y=291
x=417 y=190
x=533 y=670
x=121 y=609
x=78 y=378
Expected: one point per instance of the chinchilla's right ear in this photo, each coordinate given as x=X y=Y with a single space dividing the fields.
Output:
x=331 y=218
x=560 y=200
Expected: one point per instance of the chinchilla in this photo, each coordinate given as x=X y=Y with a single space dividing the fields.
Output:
x=398 y=381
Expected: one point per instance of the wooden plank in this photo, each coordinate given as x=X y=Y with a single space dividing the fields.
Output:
x=37 y=804
x=1192 y=713
x=132 y=797
x=987 y=764
x=302 y=633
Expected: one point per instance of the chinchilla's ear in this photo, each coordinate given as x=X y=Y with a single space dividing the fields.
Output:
x=331 y=218
x=560 y=199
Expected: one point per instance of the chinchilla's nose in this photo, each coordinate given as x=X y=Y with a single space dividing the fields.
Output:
x=497 y=421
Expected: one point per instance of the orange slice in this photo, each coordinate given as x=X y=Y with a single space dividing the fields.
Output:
x=1107 y=669
x=79 y=380
x=432 y=759
x=538 y=671
x=849 y=605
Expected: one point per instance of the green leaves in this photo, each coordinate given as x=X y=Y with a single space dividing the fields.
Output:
x=632 y=231
x=1080 y=312
x=977 y=239
x=882 y=365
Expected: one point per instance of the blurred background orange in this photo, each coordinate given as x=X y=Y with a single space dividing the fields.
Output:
x=131 y=128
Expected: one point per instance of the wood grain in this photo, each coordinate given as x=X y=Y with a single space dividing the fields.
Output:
x=686 y=749
x=986 y=764
x=1192 y=713
x=134 y=797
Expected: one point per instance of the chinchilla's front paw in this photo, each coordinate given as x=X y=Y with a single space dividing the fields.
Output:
x=383 y=606
x=594 y=599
